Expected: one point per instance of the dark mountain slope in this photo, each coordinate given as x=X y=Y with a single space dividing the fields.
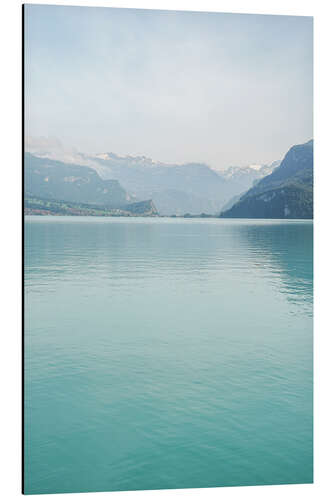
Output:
x=286 y=193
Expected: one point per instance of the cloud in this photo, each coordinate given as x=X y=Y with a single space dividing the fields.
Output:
x=176 y=86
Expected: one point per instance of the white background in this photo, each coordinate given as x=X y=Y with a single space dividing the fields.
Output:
x=10 y=248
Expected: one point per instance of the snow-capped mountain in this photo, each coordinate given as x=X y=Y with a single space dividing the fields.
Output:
x=174 y=188
x=254 y=170
x=240 y=179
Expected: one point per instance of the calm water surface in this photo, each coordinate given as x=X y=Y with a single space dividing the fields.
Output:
x=167 y=353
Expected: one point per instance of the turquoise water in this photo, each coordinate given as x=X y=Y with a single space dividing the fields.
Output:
x=167 y=353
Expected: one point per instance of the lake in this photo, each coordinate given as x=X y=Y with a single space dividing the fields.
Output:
x=167 y=353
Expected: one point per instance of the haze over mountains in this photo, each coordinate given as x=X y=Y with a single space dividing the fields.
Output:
x=108 y=184
x=51 y=179
x=55 y=187
x=175 y=189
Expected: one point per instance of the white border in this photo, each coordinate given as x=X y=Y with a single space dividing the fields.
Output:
x=10 y=362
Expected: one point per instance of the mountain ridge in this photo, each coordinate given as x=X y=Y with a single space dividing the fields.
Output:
x=286 y=193
x=76 y=187
x=176 y=189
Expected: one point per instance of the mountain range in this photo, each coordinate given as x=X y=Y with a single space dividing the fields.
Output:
x=55 y=187
x=175 y=189
x=286 y=193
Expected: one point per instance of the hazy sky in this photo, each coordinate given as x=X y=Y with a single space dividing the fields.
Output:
x=224 y=89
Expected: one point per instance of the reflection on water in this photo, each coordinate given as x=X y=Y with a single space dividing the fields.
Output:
x=287 y=249
x=165 y=353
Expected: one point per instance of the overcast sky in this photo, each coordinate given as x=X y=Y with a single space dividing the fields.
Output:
x=224 y=89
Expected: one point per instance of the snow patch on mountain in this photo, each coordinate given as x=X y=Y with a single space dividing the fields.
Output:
x=256 y=167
